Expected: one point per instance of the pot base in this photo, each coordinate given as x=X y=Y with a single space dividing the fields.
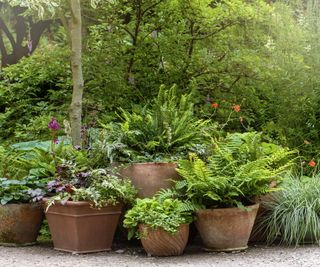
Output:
x=18 y=245
x=83 y=251
x=225 y=249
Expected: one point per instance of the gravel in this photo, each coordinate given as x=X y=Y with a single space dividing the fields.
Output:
x=43 y=255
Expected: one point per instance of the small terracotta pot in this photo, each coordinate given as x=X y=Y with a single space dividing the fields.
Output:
x=226 y=229
x=20 y=223
x=158 y=242
x=77 y=227
x=151 y=177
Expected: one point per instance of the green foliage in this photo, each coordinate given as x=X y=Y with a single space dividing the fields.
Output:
x=261 y=56
x=10 y=166
x=293 y=214
x=240 y=168
x=21 y=191
x=167 y=214
x=166 y=129
x=104 y=189
x=32 y=91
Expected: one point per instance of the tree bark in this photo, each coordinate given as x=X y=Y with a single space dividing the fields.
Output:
x=75 y=110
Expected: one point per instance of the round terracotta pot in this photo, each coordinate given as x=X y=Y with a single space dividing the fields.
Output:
x=151 y=177
x=20 y=223
x=158 y=242
x=259 y=231
x=77 y=227
x=226 y=229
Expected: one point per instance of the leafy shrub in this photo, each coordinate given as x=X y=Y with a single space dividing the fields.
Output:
x=168 y=214
x=32 y=91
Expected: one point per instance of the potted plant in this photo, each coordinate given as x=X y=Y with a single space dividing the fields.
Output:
x=223 y=187
x=292 y=215
x=84 y=213
x=21 y=188
x=154 y=137
x=162 y=226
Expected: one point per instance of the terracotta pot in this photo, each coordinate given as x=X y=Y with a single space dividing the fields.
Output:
x=77 y=227
x=158 y=242
x=258 y=234
x=226 y=229
x=151 y=177
x=20 y=223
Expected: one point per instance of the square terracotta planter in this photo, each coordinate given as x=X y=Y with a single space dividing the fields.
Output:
x=77 y=227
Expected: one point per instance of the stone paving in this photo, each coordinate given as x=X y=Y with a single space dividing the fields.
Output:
x=43 y=255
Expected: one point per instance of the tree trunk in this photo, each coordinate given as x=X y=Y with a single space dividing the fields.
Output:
x=75 y=110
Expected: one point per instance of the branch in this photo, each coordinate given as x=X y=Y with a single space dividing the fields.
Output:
x=150 y=7
x=127 y=31
x=3 y=49
x=223 y=27
x=37 y=30
x=5 y=29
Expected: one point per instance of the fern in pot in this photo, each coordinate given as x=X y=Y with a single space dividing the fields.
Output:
x=224 y=187
x=162 y=225
x=155 y=136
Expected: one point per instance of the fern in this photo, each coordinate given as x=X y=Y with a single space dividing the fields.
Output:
x=238 y=169
x=164 y=129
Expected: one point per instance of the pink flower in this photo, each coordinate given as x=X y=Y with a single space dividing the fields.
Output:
x=53 y=124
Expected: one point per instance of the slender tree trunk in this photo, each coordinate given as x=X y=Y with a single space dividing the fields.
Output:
x=75 y=110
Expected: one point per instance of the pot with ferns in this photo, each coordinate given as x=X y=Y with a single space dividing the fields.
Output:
x=223 y=187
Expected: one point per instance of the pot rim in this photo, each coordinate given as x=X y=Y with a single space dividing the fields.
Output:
x=252 y=207
x=77 y=203
x=148 y=226
x=22 y=204
x=154 y=163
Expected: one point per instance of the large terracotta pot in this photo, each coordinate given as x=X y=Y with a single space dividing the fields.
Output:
x=226 y=229
x=158 y=242
x=20 y=223
x=259 y=231
x=151 y=177
x=77 y=227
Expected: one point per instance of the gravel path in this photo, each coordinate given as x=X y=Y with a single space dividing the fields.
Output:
x=43 y=255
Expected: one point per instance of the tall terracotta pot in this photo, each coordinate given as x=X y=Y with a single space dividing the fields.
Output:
x=77 y=227
x=158 y=242
x=20 y=223
x=151 y=177
x=226 y=229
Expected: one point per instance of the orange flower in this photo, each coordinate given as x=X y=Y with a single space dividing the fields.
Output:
x=236 y=108
x=214 y=105
x=312 y=163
